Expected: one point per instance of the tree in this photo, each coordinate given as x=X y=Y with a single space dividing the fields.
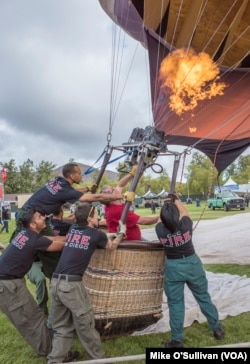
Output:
x=242 y=174
x=13 y=181
x=202 y=175
x=27 y=176
x=44 y=172
x=25 y=179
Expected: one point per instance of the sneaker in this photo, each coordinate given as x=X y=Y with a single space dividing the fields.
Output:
x=219 y=333
x=173 y=344
x=70 y=356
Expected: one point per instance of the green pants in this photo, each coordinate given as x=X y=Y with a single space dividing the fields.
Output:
x=179 y=272
x=19 y=306
x=37 y=277
x=49 y=259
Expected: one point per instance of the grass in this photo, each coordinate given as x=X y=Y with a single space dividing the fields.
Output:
x=14 y=349
x=197 y=213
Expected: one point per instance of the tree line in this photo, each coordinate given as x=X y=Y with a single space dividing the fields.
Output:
x=199 y=178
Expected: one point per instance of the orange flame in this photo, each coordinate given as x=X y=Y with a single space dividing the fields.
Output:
x=192 y=129
x=191 y=77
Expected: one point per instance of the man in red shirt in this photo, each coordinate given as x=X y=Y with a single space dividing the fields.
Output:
x=113 y=211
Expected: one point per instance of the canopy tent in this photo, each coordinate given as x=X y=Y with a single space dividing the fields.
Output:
x=149 y=195
x=230 y=182
x=163 y=193
x=229 y=185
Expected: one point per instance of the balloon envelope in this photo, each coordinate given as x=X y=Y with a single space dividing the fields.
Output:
x=218 y=126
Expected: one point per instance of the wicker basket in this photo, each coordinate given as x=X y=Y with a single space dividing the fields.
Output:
x=126 y=287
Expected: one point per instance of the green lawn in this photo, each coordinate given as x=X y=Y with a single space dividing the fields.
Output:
x=14 y=349
x=196 y=213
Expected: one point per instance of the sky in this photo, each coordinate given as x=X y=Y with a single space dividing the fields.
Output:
x=55 y=85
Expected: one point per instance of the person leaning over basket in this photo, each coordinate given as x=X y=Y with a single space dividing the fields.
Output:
x=183 y=266
x=71 y=310
x=56 y=193
x=113 y=211
x=16 y=301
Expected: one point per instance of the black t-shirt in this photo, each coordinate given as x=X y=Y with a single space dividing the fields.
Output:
x=179 y=243
x=52 y=196
x=22 y=251
x=59 y=227
x=81 y=244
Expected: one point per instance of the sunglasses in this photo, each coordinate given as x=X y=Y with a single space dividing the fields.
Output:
x=91 y=210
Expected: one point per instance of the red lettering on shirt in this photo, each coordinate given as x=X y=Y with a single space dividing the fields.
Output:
x=21 y=239
x=78 y=238
x=178 y=239
x=187 y=236
x=85 y=240
x=54 y=186
x=75 y=238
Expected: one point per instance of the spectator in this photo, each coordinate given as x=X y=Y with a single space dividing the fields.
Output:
x=246 y=196
x=5 y=220
x=153 y=207
x=114 y=209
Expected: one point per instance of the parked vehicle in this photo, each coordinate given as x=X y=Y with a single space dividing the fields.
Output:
x=226 y=200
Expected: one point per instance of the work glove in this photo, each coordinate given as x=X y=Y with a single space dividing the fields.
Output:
x=133 y=170
x=111 y=236
x=128 y=196
x=92 y=188
x=122 y=228
x=172 y=197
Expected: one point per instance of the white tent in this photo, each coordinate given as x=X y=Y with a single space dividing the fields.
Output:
x=149 y=195
x=229 y=185
x=163 y=193
x=230 y=182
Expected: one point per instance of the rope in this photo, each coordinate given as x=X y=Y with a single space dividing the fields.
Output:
x=92 y=168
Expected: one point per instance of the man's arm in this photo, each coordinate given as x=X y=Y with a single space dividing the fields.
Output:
x=57 y=244
x=124 y=180
x=101 y=197
x=182 y=208
x=106 y=197
x=2 y=247
x=82 y=189
x=148 y=220
x=112 y=244
x=115 y=239
x=92 y=188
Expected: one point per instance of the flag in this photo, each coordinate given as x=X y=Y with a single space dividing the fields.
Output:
x=4 y=175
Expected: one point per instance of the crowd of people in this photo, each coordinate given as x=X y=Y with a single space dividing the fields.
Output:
x=46 y=245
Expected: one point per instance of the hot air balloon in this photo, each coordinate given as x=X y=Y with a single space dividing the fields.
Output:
x=218 y=126
x=199 y=62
